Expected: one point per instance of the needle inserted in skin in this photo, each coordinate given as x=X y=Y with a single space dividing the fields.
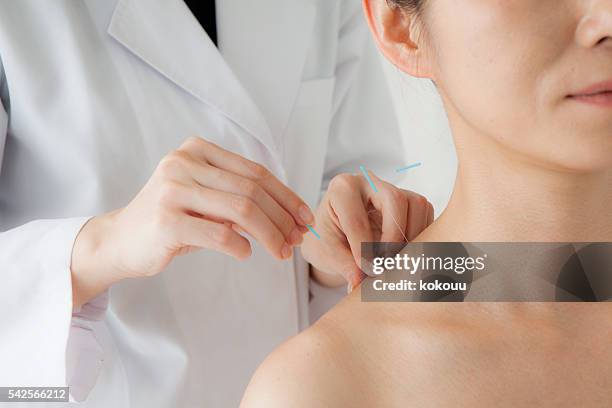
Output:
x=398 y=227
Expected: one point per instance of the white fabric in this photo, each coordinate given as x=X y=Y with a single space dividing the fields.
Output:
x=84 y=356
x=96 y=93
x=36 y=301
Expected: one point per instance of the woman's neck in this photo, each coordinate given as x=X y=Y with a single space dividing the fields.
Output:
x=501 y=196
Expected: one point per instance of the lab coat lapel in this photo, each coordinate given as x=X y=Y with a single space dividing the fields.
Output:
x=165 y=35
x=266 y=43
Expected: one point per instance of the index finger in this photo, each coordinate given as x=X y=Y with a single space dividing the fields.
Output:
x=226 y=160
x=393 y=206
x=347 y=203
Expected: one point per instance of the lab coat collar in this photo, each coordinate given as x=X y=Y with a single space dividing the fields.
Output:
x=165 y=35
x=266 y=42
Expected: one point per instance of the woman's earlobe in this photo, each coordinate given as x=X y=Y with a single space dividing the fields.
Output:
x=396 y=33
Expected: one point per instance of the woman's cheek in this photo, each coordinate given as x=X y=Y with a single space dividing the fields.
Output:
x=486 y=60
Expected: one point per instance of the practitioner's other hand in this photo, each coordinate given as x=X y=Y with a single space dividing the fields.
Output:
x=350 y=213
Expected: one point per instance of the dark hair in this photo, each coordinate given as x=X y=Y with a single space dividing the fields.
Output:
x=412 y=6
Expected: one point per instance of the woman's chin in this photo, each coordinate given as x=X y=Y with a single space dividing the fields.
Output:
x=592 y=155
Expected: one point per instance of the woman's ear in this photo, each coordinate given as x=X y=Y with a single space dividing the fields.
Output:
x=397 y=34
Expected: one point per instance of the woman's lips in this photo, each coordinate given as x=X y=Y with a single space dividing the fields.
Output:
x=601 y=99
x=596 y=94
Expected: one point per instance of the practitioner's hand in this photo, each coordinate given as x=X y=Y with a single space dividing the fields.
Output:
x=199 y=196
x=351 y=213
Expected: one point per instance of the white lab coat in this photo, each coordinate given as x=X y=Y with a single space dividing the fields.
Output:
x=95 y=93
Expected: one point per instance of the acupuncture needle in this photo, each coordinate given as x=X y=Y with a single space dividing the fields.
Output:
x=396 y=223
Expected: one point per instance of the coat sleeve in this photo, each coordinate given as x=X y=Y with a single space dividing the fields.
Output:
x=43 y=341
x=364 y=129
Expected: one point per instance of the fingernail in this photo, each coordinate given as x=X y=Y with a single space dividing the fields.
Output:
x=349 y=288
x=286 y=251
x=295 y=237
x=306 y=214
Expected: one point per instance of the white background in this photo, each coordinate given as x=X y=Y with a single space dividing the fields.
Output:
x=428 y=139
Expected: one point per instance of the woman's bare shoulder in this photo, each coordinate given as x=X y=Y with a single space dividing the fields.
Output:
x=339 y=361
x=314 y=368
x=366 y=354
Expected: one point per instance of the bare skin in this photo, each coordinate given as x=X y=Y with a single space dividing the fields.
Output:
x=535 y=164
x=444 y=355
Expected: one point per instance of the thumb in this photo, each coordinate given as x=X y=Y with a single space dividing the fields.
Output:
x=337 y=259
x=343 y=261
